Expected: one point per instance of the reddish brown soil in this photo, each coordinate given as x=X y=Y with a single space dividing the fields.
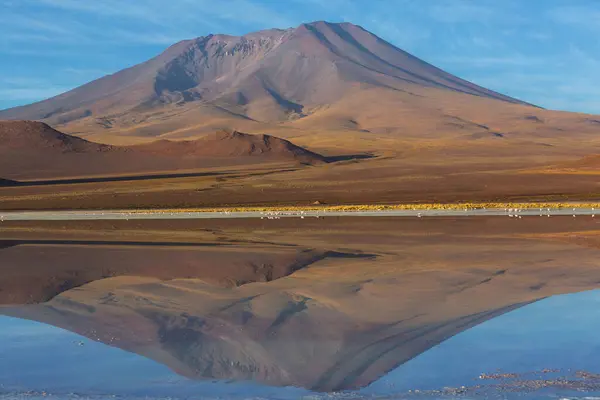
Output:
x=35 y=151
x=232 y=144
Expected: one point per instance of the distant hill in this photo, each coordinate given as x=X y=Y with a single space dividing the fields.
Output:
x=233 y=144
x=34 y=150
x=28 y=136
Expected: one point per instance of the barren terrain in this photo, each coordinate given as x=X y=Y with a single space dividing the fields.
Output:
x=391 y=127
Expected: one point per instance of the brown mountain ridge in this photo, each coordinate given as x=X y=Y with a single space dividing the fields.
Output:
x=24 y=136
x=32 y=149
x=232 y=144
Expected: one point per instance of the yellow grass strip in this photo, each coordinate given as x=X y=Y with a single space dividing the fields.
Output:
x=388 y=207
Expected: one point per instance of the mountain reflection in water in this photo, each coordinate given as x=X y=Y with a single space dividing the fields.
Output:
x=518 y=347
x=322 y=307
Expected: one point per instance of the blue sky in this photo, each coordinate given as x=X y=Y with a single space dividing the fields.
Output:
x=542 y=51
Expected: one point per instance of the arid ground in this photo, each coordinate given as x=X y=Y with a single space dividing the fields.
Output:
x=360 y=171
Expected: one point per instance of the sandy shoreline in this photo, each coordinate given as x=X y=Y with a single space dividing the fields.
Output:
x=517 y=210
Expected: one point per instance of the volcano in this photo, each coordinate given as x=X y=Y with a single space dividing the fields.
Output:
x=268 y=76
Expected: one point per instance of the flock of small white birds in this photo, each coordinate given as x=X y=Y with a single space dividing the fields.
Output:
x=510 y=212
x=279 y=214
x=515 y=212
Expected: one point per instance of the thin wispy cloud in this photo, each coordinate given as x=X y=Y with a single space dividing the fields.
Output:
x=176 y=12
x=144 y=11
x=86 y=72
x=486 y=62
x=461 y=11
x=149 y=22
x=32 y=94
x=583 y=17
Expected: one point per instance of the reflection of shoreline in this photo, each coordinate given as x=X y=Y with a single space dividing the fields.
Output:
x=39 y=269
x=336 y=323
x=111 y=243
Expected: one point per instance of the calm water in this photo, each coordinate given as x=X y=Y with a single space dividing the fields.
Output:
x=559 y=333
x=399 y=315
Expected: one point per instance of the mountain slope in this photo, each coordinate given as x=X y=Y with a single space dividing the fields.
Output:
x=232 y=144
x=267 y=76
x=30 y=136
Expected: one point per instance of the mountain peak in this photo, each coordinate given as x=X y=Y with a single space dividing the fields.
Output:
x=269 y=75
x=323 y=23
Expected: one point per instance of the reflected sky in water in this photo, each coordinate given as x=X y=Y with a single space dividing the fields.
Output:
x=373 y=308
x=555 y=333
x=42 y=358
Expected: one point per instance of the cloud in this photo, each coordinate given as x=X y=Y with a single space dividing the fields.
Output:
x=457 y=11
x=175 y=11
x=26 y=22
x=580 y=17
x=405 y=36
x=31 y=94
x=85 y=71
x=26 y=89
x=541 y=36
x=494 y=61
x=107 y=7
x=590 y=105
x=148 y=22
x=570 y=87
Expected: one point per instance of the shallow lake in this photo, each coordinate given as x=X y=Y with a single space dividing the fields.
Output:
x=556 y=337
x=443 y=309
